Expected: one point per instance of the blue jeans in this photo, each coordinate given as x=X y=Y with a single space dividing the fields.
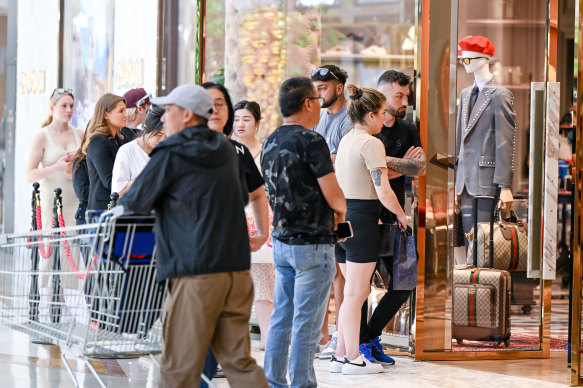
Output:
x=303 y=276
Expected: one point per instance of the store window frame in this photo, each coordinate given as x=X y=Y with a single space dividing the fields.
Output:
x=433 y=37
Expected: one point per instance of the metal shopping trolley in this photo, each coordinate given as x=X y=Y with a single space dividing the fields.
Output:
x=95 y=295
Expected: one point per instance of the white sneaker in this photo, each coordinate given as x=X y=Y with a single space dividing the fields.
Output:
x=336 y=365
x=360 y=366
x=330 y=348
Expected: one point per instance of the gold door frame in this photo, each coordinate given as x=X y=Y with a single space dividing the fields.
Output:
x=436 y=100
x=576 y=378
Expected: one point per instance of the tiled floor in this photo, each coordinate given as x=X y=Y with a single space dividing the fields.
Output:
x=24 y=365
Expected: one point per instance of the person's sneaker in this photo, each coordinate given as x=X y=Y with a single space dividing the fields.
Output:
x=378 y=353
x=335 y=364
x=330 y=348
x=366 y=350
x=360 y=366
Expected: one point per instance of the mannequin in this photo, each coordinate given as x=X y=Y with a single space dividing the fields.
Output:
x=485 y=136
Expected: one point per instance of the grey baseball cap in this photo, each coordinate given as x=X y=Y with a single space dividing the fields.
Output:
x=192 y=97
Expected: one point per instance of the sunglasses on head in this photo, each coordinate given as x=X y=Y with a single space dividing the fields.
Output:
x=143 y=99
x=466 y=61
x=59 y=91
x=323 y=72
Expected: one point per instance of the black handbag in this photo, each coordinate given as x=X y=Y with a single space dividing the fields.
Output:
x=387 y=243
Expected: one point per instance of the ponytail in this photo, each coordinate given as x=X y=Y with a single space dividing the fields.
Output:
x=47 y=121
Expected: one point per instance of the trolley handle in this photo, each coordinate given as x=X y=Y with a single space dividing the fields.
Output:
x=116 y=212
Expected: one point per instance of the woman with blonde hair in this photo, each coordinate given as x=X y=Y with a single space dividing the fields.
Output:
x=361 y=170
x=102 y=143
x=48 y=163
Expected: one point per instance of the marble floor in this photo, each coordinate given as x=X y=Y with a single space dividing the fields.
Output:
x=23 y=365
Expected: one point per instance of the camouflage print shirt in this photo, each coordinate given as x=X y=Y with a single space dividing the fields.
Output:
x=292 y=160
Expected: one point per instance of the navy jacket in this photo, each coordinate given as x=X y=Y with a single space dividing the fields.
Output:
x=194 y=183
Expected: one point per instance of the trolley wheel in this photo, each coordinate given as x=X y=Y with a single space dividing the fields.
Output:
x=507 y=342
x=459 y=341
x=526 y=309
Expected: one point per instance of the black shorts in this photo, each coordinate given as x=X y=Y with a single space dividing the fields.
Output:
x=363 y=247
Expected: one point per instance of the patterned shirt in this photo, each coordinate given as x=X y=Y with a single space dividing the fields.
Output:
x=292 y=160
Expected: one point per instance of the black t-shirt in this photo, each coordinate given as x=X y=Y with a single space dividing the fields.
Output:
x=397 y=140
x=253 y=177
x=292 y=160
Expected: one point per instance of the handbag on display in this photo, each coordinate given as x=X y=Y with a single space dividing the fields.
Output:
x=405 y=262
x=388 y=234
x=510 y=238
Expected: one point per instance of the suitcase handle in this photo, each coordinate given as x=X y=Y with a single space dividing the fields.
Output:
x=475 y=214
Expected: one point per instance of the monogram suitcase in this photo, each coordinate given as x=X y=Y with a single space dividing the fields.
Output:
x=510 y=239
x=481 y=301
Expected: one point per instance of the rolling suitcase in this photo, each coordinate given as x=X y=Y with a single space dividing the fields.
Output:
x=481 y=298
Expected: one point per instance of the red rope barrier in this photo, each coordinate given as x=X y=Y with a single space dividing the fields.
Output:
x=39 y=226
x=72 y=264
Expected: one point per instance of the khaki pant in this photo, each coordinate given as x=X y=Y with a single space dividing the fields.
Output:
x=209 y=309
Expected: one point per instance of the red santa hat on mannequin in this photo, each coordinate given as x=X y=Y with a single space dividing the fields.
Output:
x=475 y=47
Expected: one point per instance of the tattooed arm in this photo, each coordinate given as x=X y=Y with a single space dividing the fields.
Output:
x=387 y=195
x=411 y=164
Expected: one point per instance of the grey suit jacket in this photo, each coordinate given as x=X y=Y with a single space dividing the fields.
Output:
x=485 y=141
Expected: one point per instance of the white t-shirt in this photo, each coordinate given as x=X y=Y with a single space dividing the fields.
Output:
x=358 y=154
x=129 y=163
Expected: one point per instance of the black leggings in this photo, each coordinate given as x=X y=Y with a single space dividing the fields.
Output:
x=387 y=308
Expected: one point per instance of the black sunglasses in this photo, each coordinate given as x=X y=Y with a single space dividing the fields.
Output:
x=60 y=91
x=323 y=71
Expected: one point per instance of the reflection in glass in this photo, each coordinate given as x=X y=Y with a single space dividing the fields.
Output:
x=87 y=43
x=267 y=42
x=517 y=32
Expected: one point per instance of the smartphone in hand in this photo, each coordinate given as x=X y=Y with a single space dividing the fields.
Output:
x=344 y=230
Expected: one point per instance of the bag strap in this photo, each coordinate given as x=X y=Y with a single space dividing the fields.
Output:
x=477 y=198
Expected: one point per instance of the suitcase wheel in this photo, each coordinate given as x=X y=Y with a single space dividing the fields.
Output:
x=459 y=341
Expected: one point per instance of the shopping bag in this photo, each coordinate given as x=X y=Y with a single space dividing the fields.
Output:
x=388 y=233
x=405 y=262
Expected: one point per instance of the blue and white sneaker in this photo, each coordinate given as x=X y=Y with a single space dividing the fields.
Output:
x=378 y=353
x=366 y=350
x=330 y=348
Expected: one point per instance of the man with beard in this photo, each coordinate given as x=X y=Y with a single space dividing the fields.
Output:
x=405 y=157
x=334 y=123
x=329 y=81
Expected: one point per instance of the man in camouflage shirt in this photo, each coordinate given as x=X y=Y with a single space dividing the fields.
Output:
x=307 y=204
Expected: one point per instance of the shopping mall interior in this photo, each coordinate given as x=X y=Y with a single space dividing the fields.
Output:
x=251 y=47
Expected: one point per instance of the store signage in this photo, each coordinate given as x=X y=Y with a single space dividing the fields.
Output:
x=33 y=82
x=129 y=74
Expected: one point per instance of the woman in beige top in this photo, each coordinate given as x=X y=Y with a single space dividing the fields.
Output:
x=361 y=170
x=48 y=163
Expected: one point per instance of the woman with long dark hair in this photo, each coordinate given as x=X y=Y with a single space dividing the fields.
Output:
x=102 y=143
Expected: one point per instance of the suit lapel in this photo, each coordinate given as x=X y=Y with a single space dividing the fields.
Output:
x=481 y=104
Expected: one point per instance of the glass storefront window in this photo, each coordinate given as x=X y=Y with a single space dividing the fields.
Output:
x=88 y=54
x=254 y=46
x=517 y=29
